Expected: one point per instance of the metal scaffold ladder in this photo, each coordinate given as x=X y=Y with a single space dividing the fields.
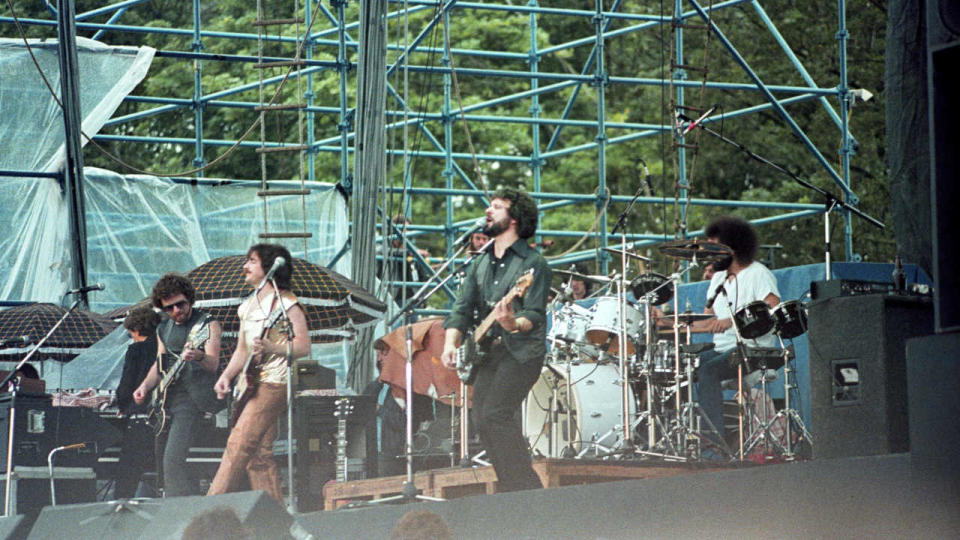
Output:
x=271 y=23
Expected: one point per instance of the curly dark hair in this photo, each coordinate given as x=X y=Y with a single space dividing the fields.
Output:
x=736 y=233
x=269 y=253
x=522 y=208
x=142 y=319
x=172 y=284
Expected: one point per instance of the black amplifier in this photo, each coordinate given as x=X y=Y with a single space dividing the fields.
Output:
x=39 y=428
x=848 y=287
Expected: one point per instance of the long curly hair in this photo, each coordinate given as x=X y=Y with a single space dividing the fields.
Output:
x=737 y=234
x=523 y=209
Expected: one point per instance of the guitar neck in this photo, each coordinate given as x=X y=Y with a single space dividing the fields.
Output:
x=487 y=322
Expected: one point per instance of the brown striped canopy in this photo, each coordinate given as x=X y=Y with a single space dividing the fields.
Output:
x=335 y=305
x=22 y=327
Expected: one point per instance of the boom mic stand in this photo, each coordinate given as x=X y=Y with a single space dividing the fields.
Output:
x=830 y=201
x=409 y=491
x=13 y=402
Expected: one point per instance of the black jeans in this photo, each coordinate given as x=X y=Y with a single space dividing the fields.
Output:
x=500 y=388
x=178 y=479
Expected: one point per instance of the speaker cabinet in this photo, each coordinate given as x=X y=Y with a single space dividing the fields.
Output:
x=858 y=386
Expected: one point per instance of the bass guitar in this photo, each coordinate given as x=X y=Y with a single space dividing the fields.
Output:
x=198 y=336
x=472 y=352
x=246 y=385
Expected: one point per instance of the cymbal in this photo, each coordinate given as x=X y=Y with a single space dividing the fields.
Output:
x=584 y=277
x=652 y=282
x=628 y=253
x=701 y=249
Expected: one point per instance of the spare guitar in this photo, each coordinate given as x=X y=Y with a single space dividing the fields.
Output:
x=472 y=352
x=246 y=385
x=344 y=409
x=198 y=336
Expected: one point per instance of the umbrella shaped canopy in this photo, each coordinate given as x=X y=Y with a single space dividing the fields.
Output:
x=335 y=305
x=21 y=327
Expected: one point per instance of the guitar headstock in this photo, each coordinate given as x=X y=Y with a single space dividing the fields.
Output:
x=344 y=407
x=523 y=283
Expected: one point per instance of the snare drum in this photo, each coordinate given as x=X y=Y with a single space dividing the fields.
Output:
x=754 y=319
x=594 y=407
x=791 y=319
x=604 y=327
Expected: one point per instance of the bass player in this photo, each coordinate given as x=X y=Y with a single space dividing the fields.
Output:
x=513 y=361
x=259 y=365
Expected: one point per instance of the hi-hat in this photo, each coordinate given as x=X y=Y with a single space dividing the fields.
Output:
x=701 y=249
x=628 y=253
x=584 y=277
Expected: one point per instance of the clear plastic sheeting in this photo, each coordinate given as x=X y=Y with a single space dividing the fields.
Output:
x=34 y=246
x=140 y=227
x=99 y=367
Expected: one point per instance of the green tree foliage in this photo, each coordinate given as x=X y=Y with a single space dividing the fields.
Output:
x=719 y=170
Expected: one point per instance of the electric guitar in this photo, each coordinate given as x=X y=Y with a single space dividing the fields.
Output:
x=246 y=385
x=198 y=336
x=472 y=352
x=344 y=409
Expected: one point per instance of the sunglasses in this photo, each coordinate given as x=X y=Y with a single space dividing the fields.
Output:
x=181 y=305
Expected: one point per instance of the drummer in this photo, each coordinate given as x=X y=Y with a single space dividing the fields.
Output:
x=740 y=280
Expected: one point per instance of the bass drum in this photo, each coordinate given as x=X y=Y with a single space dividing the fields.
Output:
x=594 y=406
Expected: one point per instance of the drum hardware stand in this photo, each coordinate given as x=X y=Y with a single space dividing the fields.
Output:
x=788 y=413
x=763 y=432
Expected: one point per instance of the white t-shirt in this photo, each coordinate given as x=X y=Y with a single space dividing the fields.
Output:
x=753 y=283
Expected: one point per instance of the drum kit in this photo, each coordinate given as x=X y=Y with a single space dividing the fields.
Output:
x=576 y=408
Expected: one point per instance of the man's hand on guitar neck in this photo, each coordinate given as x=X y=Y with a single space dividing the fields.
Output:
x=508 y=320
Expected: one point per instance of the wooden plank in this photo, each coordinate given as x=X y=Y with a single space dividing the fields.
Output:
x=455 y=482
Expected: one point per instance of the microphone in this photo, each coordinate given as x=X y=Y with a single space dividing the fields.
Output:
x=716 y=293
x=277 y=263
x=698 y=121
x=88 y=288
x=474 y=228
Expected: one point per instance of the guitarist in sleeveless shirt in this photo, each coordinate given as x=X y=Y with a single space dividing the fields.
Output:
x=261 y=349
x=190 y=396
x=513 y=362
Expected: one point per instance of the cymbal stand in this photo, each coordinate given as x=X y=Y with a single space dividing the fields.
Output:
x=626 y=444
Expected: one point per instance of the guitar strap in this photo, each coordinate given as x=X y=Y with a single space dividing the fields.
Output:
x=508 y=279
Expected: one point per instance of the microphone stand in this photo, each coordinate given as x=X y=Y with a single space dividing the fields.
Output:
x=288 y=330
x=409 y=491
x=830 y=201
x=13 y=402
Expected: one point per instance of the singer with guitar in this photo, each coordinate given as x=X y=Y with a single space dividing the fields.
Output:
x=514 y=348
x=259 y=366
x=189 y=395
